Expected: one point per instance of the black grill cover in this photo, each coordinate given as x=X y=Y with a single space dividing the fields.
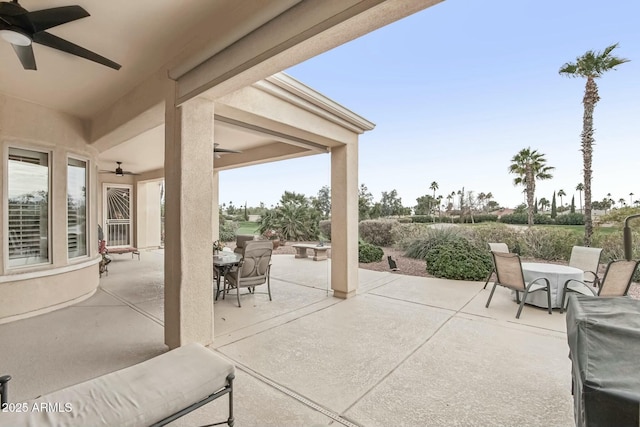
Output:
x=604 y=344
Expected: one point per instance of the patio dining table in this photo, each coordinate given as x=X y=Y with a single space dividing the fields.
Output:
x=223 y=263
x=557 y=276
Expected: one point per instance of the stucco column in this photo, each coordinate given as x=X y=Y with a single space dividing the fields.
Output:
x=148 y=227
x=344 y=220
x=216 y=206
x=188 y=274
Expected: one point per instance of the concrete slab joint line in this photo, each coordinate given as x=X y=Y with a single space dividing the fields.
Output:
x=295 y=395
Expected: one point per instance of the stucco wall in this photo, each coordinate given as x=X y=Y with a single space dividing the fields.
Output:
x=32 y=288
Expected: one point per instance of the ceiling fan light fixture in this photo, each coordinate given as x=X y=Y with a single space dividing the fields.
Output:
x=15 y=37
x=119 y=171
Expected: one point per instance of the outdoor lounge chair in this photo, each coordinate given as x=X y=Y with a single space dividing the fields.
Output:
x=615 y=283
x=495 y=247
x=509 y=274
x=253 y=270
x=588 y=260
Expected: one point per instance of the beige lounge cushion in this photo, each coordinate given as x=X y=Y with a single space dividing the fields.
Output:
x=136 y=396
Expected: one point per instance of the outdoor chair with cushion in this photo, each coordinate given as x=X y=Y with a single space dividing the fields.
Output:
x=241 y=239
x=588 y=260
x=615 y=283
x=495 y=247
x=509 y=274
x=253 y=270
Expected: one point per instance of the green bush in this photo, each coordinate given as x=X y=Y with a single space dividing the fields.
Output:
x=420 y=247
x=227 y=231
x=458 y=259
x=570 y=219
x=325 y=228
x=405 y=220
x=369 y=253
x=377 y=231
x=522 y=218
x=617 y=216
x=612 y=245
x=422 y=218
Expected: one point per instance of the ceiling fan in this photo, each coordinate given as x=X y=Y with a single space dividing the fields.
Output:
x=119 y=171
x=21 y=28
x=217 y=150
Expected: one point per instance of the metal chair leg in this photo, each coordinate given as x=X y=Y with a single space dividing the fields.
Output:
x=488 y=278
x=491 y=294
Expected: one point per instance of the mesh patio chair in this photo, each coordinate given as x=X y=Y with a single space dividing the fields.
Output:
x=495 y=247
x=253 y=270
x=615 y=283
x=588 y=260
x=509 y=274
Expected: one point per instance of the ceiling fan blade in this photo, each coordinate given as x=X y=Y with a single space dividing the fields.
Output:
x=25 y=54
x=12 y=9
x=48 y=18
x=56 y=42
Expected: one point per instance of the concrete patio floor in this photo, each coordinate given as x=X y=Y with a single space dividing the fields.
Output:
x=406 y=351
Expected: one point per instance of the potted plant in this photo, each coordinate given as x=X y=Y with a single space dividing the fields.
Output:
x=274 y=236
x=217 y=247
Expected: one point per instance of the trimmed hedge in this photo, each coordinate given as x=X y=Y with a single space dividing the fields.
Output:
x=369 y=253
x=570 y=219
x=377 y=231
x=325 y=228
x=458 y=259
x=522 y=218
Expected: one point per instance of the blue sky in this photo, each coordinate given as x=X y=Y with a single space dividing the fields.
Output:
x=457 y=89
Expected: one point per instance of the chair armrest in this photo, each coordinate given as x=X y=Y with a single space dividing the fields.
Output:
x=4 y=385
x=566 y=284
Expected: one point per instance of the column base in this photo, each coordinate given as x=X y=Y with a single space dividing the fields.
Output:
x=344 y=295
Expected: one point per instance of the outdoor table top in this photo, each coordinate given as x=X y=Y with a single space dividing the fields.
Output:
x=226 y=258
x=544 y=268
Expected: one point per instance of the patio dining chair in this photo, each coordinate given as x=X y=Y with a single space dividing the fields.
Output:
x=253 y=270
x=495 y=247
x=615 y=282
x=509 y=274
x=588 y=260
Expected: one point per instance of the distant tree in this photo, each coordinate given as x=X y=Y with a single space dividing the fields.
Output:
x=293 y=197
x=425 y=204
x=231 y=210
x=591 y=65
x=492 y=206
x=535 y=206
x=390 y=204
x=580 y=188
x=543 y=203
x=323 y=202
x=561 y=194
x=622 y=202
x=530 y=165
x=630 y=199
x=554 y=208
x=365 y=203
x=573 y=204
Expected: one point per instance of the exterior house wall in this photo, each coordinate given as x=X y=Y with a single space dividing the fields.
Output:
x=34 y=289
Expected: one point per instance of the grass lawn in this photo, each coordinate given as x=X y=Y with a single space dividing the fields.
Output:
x=247 y=227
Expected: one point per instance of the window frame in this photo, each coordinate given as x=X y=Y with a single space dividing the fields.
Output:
x=72 y=156
x=50 y=194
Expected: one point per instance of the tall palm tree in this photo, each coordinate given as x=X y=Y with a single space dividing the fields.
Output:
x=580 y=188
x=530 y=166
x=591 y=65
x=543 y=203
x=434 y=187
x=622 y=202
x=630 y=199
x=560 y=194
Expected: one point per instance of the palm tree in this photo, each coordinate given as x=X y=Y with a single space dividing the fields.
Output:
x=580 y=188
x=622 y=202
x=630 y=199
x=560 y=194
x=530 y=166
x=543 y=203
x=591 y=65
x=481 y=198
x=434 y=187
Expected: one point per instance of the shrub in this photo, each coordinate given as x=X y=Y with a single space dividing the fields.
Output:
x=548 y=243
x=479 y=218
x=514 y=218
x=405 y=220
x=458 y=259
x=325 y=228
x=617 y=216
x=227 y=231
x=484 y=234
x=377 y=231
x=368 y=252
x=570 y=219
x=422 y=218
x=403 y=234
x=292 y=221
x=420 y=247
x=612 y=245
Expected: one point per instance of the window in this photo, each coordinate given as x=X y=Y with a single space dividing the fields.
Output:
x=76 y=208
x=28 y=220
